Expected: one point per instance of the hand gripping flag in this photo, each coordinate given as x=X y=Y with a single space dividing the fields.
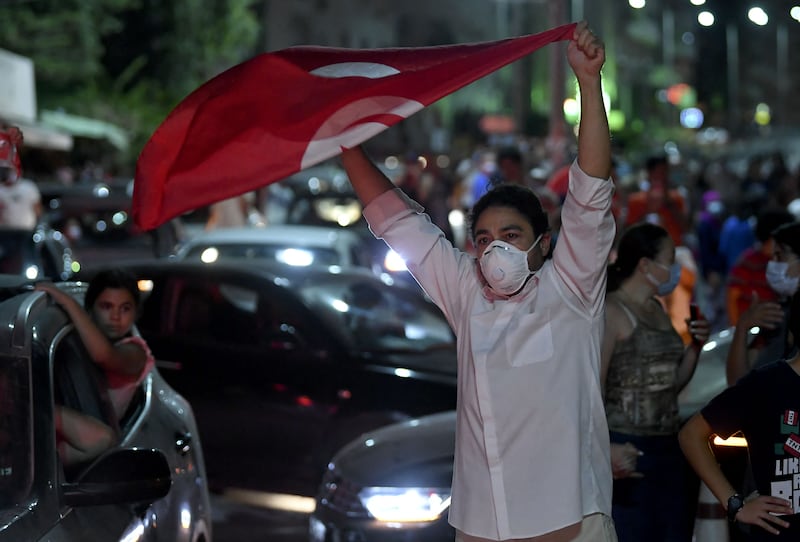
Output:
x=284 y=111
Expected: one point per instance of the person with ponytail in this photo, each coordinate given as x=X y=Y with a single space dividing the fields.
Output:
x=644 y=366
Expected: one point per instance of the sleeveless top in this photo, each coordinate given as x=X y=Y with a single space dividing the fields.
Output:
x=121 y=388
x=641 y=392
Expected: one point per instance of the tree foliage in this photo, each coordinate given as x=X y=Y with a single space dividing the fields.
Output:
x=62 y=37
x=127 y=61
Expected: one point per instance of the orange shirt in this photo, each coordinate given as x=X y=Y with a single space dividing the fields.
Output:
x=669 y=214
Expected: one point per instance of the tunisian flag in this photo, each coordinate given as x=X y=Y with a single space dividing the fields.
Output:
x=281 y=112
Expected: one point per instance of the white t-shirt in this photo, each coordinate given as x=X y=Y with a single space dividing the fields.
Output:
x=18 y=202
x=532 y=445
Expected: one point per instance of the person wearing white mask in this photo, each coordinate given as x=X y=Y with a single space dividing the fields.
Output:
x=773 y=341
x=532 y=453
x=645 y=365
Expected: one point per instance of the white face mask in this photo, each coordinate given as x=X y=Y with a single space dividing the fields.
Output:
x=778 y=280
x=505 y=267
x=666 y=288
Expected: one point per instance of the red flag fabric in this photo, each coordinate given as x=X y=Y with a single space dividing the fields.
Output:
x=284 y=111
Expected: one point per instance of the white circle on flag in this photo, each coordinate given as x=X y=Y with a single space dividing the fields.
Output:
x=343 y=129
x=370 y=70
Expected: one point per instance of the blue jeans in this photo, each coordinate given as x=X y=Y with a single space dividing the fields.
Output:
x=660 y=507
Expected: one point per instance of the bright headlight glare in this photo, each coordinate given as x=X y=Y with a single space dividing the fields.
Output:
x=295 y=256
x=209 y=255
x=405 y=504
x=394 y=262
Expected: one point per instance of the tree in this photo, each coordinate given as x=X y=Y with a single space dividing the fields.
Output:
x=128 y=62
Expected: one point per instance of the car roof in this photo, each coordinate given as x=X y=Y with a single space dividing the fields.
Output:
x=263 y=270
x=294 y=233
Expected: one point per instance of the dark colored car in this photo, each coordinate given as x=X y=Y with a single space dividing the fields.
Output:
x=37 y=254
x=323 y=196
x=149 y=486
x=393 y=484
x=98 y=213
x=99 y=208
x=283 y=365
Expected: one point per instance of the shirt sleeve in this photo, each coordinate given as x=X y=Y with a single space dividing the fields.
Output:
x=586 y=236
x=443 y=271
x=117 y=380
x=726 y=412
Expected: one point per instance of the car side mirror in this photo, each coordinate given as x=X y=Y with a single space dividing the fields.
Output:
x=121 y=476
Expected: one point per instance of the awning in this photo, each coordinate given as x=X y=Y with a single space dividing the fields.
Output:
x=43 y=137
x=86 y=127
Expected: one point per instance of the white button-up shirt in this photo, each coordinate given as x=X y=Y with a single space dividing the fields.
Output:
x=532 y=446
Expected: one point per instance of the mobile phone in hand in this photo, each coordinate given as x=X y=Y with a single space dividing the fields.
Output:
x=694 y=312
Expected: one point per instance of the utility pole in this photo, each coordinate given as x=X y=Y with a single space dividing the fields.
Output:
x=556 y=137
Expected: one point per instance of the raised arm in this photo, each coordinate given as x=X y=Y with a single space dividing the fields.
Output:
x=587 y=225
x=586 y=55
x=368 y=181
x=764 y=314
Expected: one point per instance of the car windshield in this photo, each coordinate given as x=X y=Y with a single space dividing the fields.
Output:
x=285 y=253
x=376 y=317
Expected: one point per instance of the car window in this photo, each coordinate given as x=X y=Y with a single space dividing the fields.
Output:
x=16 y=251
x=80 y=384
x=16 y=432
x=375 y=317
x=223 y=312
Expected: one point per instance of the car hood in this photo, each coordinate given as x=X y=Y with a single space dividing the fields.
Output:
x=416 y=452
x=437 y=364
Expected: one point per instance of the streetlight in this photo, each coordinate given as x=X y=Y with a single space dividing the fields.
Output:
x=705 y=18
x=759 y=17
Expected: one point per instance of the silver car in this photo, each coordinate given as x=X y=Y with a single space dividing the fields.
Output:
x=151 y=486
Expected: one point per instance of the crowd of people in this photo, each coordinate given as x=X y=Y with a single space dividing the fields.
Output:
x=684 y=258
x=726 y=245
x=571 y=299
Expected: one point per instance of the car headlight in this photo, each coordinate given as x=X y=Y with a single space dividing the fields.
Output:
x=32 y=272
x=405 y=504
x=394 y=262
x=297 y=257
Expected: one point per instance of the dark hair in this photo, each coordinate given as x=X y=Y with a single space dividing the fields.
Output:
x=768 y=221
x=655 y=161
x=517 y=197
x=643 y=240
x=111 y=278
x=509 y=153
x=788 y=235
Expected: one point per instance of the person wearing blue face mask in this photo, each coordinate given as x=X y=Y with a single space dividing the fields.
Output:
x=644 y=366
x=771 y=317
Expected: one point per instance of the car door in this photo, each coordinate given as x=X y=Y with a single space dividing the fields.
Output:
x=78 y=384
x=258 y=385
x=41 y=364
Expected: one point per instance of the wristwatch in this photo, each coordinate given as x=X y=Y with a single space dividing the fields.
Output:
x=735 y=503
